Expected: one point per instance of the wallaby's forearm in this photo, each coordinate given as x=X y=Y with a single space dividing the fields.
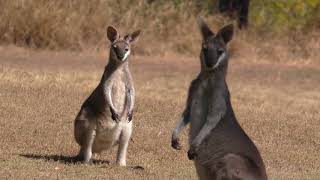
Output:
x=132 y=99
x=131 y=91
x=184 y=120
x=107 y=92
x=128 y=101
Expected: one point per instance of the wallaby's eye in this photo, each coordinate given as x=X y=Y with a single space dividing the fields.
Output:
x=126 y=49
x=220 y=52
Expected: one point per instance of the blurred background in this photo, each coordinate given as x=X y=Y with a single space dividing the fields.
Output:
x=282 y=29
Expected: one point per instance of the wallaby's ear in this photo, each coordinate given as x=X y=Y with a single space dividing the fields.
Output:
x=112 y=33
x=133 y=36
x=204 y=28
x=226 y=33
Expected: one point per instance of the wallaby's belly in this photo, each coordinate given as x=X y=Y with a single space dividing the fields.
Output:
x=229 y=139
x=230 y=166
x=108 y=131
x=108 y=134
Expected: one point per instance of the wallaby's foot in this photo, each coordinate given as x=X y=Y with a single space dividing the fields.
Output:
x=175 y=144
x=87 y=158
x=85 y=154
x=114 y=116
x=90 y=162
x=122 y=163
x=78 y=158
x=192 y=153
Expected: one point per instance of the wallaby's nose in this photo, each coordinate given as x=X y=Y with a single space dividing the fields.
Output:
x=120 y=56
x=209 y=64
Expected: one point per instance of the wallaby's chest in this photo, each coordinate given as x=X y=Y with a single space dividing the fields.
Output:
x=198 y=97
x=199 y=106
x=118 y=94
x=118 y=91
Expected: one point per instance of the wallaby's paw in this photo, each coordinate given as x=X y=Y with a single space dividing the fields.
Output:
x=114 y=116
x=192 y=154
x=130 y=115
x=175 y=144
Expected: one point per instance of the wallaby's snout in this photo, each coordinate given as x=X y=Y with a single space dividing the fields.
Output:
x=212 y=51
x=121 y=50
x=120 y=47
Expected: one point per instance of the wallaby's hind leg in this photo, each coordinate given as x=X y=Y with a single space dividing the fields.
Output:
x=123 y=146
x=85 y=153
x=84 y=135
x=202 y=172
x=237 y=167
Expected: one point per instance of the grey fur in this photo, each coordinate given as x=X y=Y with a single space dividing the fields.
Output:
x=105 y=117
x=218 y=145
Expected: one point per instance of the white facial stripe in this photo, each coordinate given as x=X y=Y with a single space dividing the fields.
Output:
x=126 y=55
x=221 y=58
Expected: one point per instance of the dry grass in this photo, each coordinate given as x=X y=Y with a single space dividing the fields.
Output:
x=167 y=28
x=41 y=92
x=81 y=24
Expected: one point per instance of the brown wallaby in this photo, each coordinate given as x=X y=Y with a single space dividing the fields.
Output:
x=219 y=146
x=105 y=117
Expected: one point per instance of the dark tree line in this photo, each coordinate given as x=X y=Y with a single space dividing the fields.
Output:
x=233 y=8
x=238 y=7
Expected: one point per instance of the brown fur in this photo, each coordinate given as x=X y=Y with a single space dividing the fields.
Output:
x=105 y=117
x=220 y=148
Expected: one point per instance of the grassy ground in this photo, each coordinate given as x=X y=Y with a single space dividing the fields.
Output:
x=41 y=92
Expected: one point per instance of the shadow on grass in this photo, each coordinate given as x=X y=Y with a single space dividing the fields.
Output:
x=62 y=159
x=72 y=160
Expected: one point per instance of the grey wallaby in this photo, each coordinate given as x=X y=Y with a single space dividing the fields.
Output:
x=105 y=117
x=220 y=148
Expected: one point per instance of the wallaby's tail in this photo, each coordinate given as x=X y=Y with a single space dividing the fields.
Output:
x=127 y=102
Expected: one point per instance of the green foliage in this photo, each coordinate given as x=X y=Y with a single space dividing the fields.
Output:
x=283 y=15
x=275 y=15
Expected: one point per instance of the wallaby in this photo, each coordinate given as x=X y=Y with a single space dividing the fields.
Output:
x=218 y=145
x=105 y=117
